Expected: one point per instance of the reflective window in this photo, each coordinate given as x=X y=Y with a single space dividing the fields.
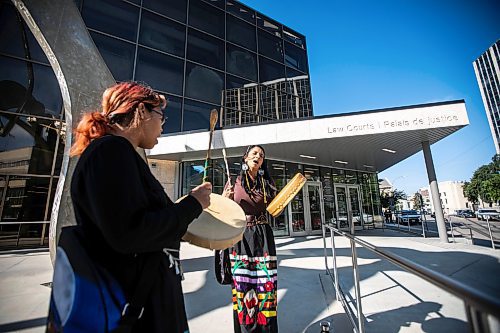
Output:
x=270 y=70
x=118 y=55
x=241 y=11
x=311 y=173
x=272 y=103
x=174 y=114
x=269 y=25
x=206 y=18
x=240 y=32
x=12 y=27
x=205 y=49
x=236 y=82
x=162 y=34
x=351 y=177
x=18 y=78
x=173 y=9
x=295 y=57
x=241 y=62
x=328 y=196
x=294 y=37
x=338 y=176
x=218 y=3
x=204 y=83
x=111 y=16
x=197 y=115
x=28 y=144
x=270 y=46
x=161 y=71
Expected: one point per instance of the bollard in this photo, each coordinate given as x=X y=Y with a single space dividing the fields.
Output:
x=325 y=326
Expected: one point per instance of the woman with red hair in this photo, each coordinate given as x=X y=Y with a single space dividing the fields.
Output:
x=123 y=210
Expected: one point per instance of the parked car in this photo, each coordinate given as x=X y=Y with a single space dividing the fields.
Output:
x=467 y=213
x=405 y=216
x=483 y=212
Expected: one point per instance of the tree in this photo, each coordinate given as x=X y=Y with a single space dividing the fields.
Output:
x=417 y=201
x=390 y=199
x=485 y=183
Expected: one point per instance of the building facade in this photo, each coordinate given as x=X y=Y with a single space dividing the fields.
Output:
x=487 y=69
x=451 y=195
x=203 y=55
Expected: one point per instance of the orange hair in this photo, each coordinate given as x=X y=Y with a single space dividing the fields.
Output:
x=119 y=104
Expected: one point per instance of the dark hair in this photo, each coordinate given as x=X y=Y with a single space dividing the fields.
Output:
x=266 y=177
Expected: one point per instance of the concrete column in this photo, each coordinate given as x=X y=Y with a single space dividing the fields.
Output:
x=436 y=198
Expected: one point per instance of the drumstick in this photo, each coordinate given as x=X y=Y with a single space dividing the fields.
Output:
x=213 y=121
x=227 y=167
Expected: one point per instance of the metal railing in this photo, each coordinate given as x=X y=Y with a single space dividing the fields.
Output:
x=478 y=305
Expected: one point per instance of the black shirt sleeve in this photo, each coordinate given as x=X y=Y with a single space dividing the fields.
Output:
x=117 y=198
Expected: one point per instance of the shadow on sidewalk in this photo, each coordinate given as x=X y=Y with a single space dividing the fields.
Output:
x=303 y=300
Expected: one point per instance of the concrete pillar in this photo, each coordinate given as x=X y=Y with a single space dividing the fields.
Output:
x=436 y=198
x=82 y=76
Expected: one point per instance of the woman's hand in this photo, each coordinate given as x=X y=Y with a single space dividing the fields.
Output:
x=202 y=194
x=228 y=192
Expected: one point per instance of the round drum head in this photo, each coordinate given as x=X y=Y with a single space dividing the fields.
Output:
x=219 y=226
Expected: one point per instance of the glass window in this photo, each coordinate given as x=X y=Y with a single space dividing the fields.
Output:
x=174 y=9
x=294 y=37
x=241 y=62
x=233 y=82
x=205 y=49
x=269 y=25
x=197 y=116
x=114 y=17
x=240 y=32
x=241 y=11
x=311 y=173
x=218 y=3
x=161 y=71
x=15 y=79
x=295 y=57
x=11 y=37
x=118 y=55
x=270 y=70
x=25 y=199
x=328 y=196
x=204 y=83
x=351 y=177
x=174 y=114
x=206 y=18
x=192 y=175
x=28 y=144
x=270 y=46
x=162 y=34
x=338 y=176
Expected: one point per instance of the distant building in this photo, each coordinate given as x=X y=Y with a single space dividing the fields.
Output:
x=452 y=197
x=487 y=68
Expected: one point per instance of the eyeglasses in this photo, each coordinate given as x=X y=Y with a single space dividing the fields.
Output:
x=163 y=117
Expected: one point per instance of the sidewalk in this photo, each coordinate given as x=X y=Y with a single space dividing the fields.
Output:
x=393 y=300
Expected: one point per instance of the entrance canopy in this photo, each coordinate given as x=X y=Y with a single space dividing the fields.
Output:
x=369 y=140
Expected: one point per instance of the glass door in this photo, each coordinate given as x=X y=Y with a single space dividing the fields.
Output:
x=348 y=212
x=313 y=202
x=296 y=214
x=341 y=211
x=355 y=206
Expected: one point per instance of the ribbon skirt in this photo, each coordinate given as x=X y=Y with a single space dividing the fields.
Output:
x=255 y=281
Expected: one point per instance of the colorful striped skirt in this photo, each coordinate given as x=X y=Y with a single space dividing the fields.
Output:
x=255 y=281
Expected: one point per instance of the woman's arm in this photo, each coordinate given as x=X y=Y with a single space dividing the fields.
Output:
x=118 y=203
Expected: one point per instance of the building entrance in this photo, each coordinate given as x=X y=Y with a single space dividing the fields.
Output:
x=312 y=217
x=348 y=211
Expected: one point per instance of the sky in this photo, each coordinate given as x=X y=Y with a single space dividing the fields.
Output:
x=366 y=55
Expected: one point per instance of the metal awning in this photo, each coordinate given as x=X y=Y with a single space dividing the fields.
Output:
x=369 y=140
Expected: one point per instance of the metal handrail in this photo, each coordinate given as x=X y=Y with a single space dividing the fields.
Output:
x=477 y=303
